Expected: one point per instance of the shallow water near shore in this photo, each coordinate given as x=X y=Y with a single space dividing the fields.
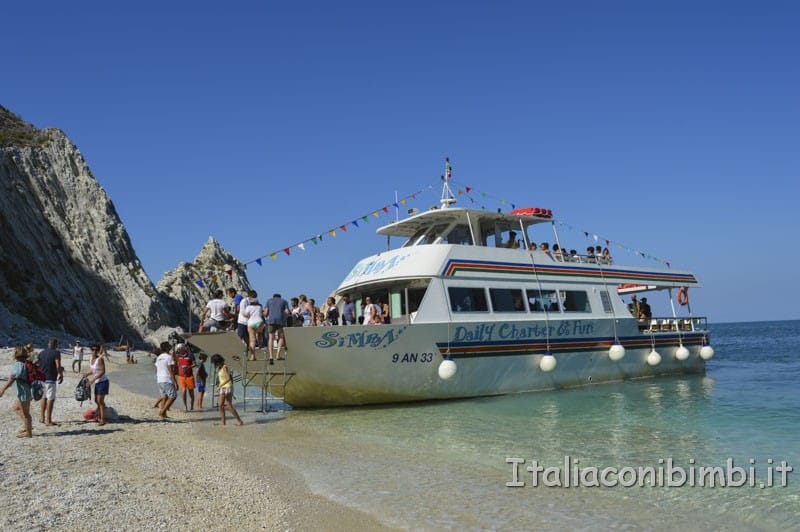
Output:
x=443 y=464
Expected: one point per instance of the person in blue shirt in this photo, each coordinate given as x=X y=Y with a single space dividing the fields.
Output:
x=348 y=311
x=276 y=312
x=19 y=377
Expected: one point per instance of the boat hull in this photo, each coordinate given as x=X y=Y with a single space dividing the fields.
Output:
x=359 y=365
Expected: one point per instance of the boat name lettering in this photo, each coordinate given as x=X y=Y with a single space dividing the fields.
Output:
x=485 y=332
x=375 y=266
x=412 y=357
x=357 y=339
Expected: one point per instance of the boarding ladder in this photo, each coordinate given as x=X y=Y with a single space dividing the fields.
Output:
x=270 y=378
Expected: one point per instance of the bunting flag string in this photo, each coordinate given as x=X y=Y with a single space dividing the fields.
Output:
x=475 y=196
x=317 y=238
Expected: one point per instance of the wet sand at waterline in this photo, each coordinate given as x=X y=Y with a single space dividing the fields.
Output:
x=139 y=472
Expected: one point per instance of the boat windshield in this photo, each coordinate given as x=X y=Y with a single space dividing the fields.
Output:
x=427 y=235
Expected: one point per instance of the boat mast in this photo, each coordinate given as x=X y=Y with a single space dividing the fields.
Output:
x=447 y=195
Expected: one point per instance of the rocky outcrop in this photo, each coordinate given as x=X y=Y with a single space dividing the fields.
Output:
x=191 y=285
x=66 y=261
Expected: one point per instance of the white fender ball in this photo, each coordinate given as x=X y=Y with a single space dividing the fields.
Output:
x=681 y=353
x=547 y=363
x=653 y=358
x=616 y=352
x=447 y=369
x=706 y=352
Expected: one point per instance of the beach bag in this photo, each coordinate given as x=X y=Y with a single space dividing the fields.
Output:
x=34 y=372
x=83 y=392
x=35 y=379
x=90 y=415
x=37 y=389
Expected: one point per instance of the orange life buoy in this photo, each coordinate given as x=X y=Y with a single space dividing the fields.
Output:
x=533 y=211
x=683 y=296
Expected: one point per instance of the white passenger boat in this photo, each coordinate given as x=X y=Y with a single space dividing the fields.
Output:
x=475 y=313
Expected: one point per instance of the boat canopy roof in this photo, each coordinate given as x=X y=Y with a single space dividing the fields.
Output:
x=479 y=219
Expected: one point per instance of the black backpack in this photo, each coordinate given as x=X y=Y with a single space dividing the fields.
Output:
x=83 y=392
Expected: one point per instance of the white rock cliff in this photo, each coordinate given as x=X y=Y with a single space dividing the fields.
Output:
x=66 y=261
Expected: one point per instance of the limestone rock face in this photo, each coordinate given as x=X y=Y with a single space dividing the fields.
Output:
x=66 y=261
x=191 y=285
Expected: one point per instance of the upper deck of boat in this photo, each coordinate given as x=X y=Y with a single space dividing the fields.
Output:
x=455 y=225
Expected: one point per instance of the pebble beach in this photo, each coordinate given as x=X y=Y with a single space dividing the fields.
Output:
x=141 y=473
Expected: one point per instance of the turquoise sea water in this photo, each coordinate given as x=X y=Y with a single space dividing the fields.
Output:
x=443 y=465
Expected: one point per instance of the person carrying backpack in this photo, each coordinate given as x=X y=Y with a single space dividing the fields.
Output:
x=97 y=377
x=19 y=377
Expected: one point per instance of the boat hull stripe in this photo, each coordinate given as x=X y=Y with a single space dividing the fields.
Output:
x=526 y=347
x=454 y=267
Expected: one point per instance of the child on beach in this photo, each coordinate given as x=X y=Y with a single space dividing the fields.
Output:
x=200 y=379
x=22 y=406
x=225 y=384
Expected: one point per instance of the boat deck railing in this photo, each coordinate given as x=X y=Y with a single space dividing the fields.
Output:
x=583 y=259
x=670 y=324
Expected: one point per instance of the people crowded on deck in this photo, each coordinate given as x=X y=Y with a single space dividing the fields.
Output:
x=644 y=310
x=254 y=313
x=633 y=307
x=512 y=243
x=306 y=311
x=368 y=310
x=331 y=312
x=544 y=247
x=217 y=312
x=348 y=311
x=294 y=320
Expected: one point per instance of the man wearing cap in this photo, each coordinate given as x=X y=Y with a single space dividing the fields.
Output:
x=77 y=356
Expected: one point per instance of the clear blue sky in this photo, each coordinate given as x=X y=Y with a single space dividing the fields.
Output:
x=671 y=127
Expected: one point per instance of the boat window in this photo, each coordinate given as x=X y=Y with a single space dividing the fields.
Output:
x=606 y=301
x=433 y=234
x=467 y=299
x=403 y=298
x=415 y=296
x=541 y=301
x=460 y=235
x=501 y=235
x=575 y=301
x=507 y=300
x=411 y=241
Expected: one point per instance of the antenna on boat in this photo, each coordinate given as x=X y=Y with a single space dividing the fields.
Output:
x=447 y=195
